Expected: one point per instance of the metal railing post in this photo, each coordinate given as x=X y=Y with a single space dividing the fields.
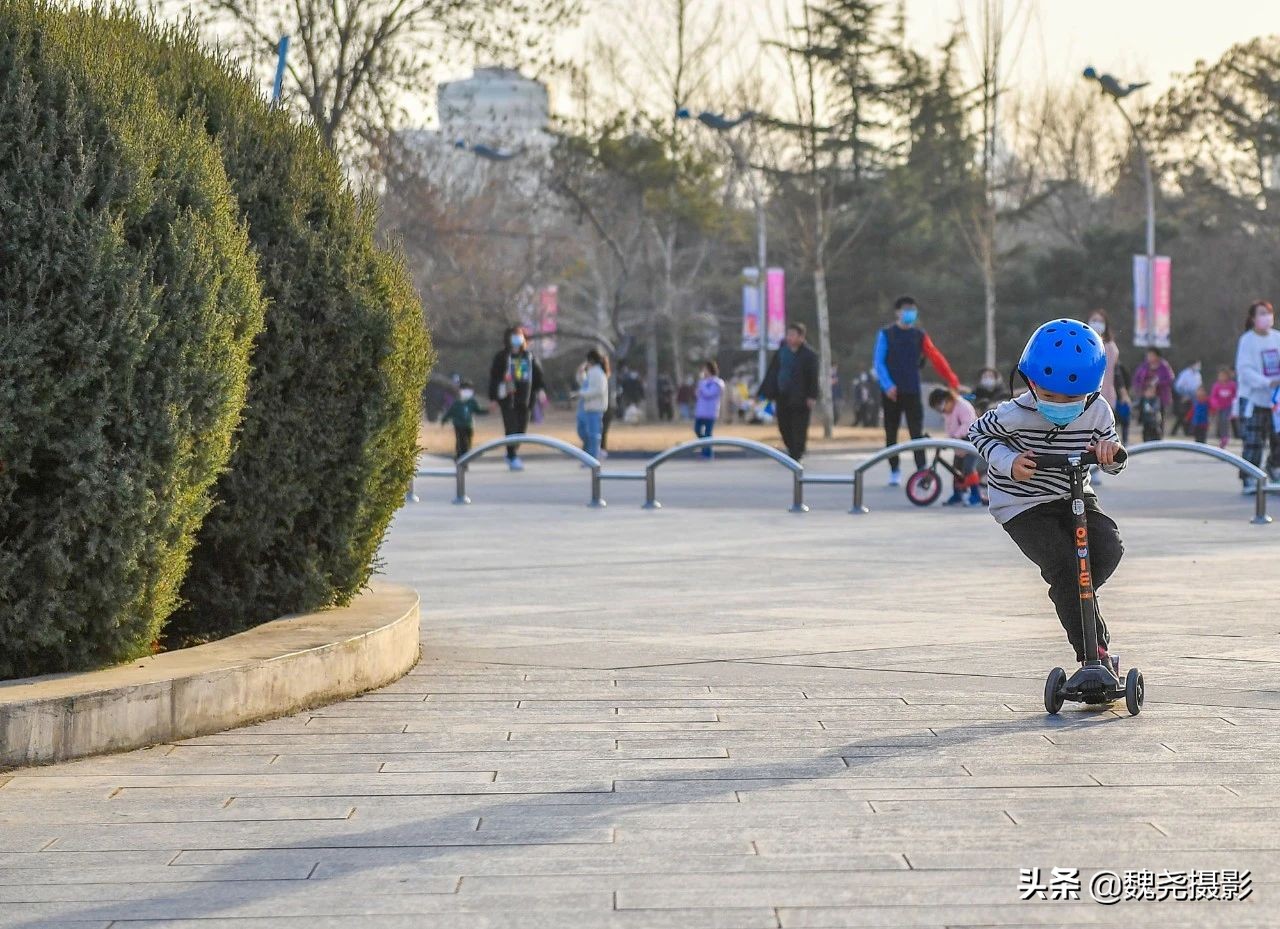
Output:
x=461 y=478
x=858 y=508
x=596 y=499
x=797 y=492
x=1260 y=517
x=651 y=488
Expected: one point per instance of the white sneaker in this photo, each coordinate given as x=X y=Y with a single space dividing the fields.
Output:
x=895 y=478
x=515 y=464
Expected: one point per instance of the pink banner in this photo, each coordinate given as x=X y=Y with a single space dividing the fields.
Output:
x=548 y=316
x=750 y=310
x=776 y=298
x=1162 y=301
x=1141 y=305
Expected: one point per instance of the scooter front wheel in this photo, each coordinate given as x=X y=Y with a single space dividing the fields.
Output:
x=1054 y=691
x=924 y=486
x=1134 y=691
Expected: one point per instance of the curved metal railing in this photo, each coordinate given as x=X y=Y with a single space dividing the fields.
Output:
x=523 y=438
x=1247 y=468
x=750 y=445
x=799 y=479
x=911 y=446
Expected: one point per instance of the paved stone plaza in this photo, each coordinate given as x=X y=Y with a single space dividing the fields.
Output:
x=715 y=715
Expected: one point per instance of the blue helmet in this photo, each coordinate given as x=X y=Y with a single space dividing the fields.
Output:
x=1066 y=357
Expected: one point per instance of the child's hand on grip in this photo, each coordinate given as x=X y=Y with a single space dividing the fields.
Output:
x=1106 y=451
x=1024 y=466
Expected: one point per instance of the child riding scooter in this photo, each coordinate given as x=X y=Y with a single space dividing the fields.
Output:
x=1049 y=511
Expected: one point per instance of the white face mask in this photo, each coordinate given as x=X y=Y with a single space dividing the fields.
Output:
x=988 y=382
x=1263 y=321
x=466 y=393
x=1098 y=326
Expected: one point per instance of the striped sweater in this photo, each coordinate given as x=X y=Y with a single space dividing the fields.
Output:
x=1015 y=426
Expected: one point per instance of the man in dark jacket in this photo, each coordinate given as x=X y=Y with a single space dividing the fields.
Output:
x=791 y=382
x=515 y=382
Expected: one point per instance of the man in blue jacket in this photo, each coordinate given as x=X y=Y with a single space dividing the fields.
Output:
x=901 y=350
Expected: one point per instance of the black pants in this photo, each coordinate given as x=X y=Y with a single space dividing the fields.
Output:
x=461 y=440
x=515 y=419
x=793 y=424
x=1046 y=535
x=604 y=428
x=908 y=404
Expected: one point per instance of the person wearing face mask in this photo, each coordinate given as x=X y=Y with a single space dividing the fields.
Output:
x=462 y=413
x=1101 y=324
x=901 y=350
x=1257 y=377
x=515 y=383
x=989 y=392
x=1062 y=366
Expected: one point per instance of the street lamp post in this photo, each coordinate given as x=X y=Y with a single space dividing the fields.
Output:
x=1117 y=90
x=720 y=125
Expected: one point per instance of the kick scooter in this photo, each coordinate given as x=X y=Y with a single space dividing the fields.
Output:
x=1095 y=682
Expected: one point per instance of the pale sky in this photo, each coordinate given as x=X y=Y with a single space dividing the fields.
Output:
x=1133 y=39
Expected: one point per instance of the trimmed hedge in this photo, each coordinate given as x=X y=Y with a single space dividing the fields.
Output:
x=328 y=442
x=128 y=307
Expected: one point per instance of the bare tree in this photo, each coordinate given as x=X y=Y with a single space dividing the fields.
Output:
x=989 y=30
x=355 y=64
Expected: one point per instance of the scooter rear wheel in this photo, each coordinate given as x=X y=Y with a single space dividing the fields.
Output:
x=924 y=487
x=1054 y=689
x=1134 y=691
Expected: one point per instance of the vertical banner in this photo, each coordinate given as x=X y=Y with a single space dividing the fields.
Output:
x=1141 y=304
x=775 y=284
x=549 y=312
x=750 y=309
x=1161 y=301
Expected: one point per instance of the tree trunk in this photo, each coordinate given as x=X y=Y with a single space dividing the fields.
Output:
x=824 y=347
x=677 y=353
x=989 y=295
x=651 y=369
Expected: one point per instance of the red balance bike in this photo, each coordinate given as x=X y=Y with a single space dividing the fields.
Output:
x=1095 y=682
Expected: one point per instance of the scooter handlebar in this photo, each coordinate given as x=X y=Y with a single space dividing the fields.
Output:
x=1079 y=459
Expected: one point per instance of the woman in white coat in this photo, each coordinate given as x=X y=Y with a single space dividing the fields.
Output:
x=593 y=400
x=1258 y=376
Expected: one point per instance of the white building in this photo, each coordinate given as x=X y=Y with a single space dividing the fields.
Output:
x=492 y=124
x=495 y=106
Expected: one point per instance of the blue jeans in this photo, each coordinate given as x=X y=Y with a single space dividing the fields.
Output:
x=702 y=429
x=590 y=428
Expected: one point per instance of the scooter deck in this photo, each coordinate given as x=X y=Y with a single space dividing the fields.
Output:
x=1093 y=683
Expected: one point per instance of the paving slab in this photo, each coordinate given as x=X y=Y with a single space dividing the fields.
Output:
x=716 y=716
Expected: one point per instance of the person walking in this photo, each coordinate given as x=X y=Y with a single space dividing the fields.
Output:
x=1155 y=372
x=709 y=395
x=1222 y=404
x=593 y=400
x=686 y=396
x=1185 y=386
x=1257 y=377
x=515 y=383
x=1100 y=323
x=900 y=353
x=791 y=383
x=462 y=412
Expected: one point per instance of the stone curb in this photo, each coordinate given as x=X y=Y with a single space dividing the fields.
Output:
x=272 y=670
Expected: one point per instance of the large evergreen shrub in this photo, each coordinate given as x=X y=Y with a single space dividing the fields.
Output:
x=128 y=306
x=329 y=436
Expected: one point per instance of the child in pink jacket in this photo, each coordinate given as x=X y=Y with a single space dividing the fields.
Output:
x=1222 y=404
x=958 y=415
